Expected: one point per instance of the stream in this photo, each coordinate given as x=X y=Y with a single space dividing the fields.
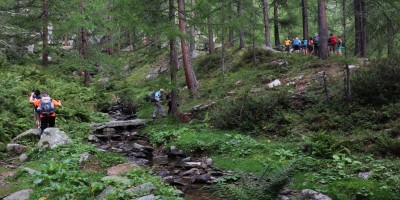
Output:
x=188 y=174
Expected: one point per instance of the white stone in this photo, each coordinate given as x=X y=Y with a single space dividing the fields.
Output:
x=274 y=83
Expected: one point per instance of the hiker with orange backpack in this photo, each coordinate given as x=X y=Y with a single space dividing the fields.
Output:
x=46 y=108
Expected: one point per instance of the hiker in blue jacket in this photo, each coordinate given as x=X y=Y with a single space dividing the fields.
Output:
x=158 y=107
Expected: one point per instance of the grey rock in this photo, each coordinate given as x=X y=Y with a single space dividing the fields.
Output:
x=204 y=178
x=163 y=173
x=191 y=172
x=365 y=175
x=146 y=187
x=255 y=90
x=208 y=162
x=116 y=179
x=29 y=170
x=106 y=191
x=84 y=157
x=16 y=148
x=283 y=197
x=29 y=133
x=308 y=194
x=120 y=124
x=174 y=151
x=191 y=164
x=20 y=195
x=114 y=149
x=187 y=159
x=148 y=197
x=141 y=148
x=108 y=130
x=202 y=107
x=53 y=137
x=93 y=138
x=23 y=157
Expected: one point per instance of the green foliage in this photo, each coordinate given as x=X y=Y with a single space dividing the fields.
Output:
x=256 y=114
x=388 y=145
x=266 y=187
x=3 y=60
x=377 y=84
x=64 y=180
x=324 y=144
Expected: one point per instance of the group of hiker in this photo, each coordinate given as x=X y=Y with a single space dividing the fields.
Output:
x=311 y=45
x=43 y=109
x=45 y=115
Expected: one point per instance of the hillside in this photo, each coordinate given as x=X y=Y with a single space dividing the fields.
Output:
x=298 y=135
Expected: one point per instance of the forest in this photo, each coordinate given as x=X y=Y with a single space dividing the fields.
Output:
x=200 y=99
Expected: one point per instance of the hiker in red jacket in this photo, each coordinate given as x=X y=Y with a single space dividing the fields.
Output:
x=332 y=43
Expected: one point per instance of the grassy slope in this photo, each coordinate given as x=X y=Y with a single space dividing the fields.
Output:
x=262 y=153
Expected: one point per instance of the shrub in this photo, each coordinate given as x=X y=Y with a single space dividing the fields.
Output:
x=388 y=145
x=378 y=83
x=266 y=187
x=324 y=145
x=252 y=113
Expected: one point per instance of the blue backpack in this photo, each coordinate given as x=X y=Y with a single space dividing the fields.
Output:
x=305 y=43
x=297 y=42
x=46 y=106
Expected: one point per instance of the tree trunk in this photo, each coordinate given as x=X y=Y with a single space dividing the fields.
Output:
x=241 y=31
x=210 y=36
x=390 y=36
x=276 y=24
x=344 y=25
x=358 y=29
x=230 y=32
x=364 y=50
x=45 y=33
x=266 y=23
x=84 y=49
x=322 y=30
x=190 y=76
x=173 y=63
x=305 y=19
x=223 y=40
x=192 y=32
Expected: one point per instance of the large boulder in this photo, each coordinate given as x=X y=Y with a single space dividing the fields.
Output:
x=313 y=195
x=148 y=197
x=16 y=148
x=29 y=133
x=53 y=137
x=20 y=195
x=105 y=192
x=119 y=124
x=146 y=187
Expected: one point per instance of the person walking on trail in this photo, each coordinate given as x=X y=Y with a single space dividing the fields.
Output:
x=296 y=44
x=340 y=46
x=310 y=45
x=304 y=46
x=36 y=114
x=287 y=43
x=46 y=107
x=158 y=107
x=332 y=43
x=316 y=44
